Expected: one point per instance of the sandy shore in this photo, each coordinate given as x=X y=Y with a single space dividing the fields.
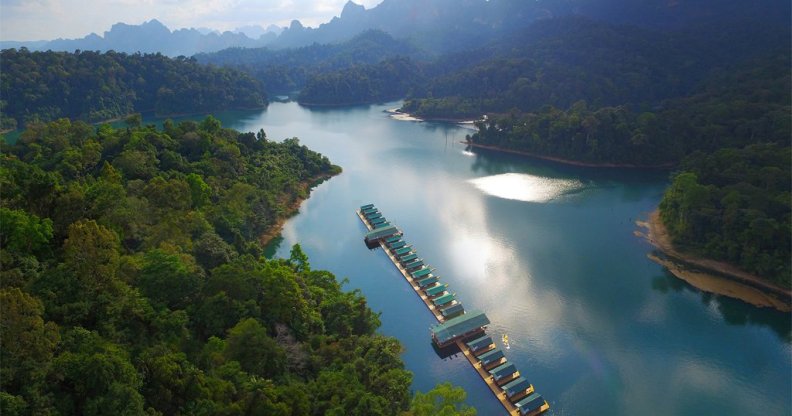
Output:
x=396 y=114
x=293 y=208
x=711 y=275
x=568 y=161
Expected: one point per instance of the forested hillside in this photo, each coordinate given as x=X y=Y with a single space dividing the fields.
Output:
x=734 y=205
x=561 y=61
x=92 y=86
x=736 y=109
x=289 y=70
x=390 y=79
x=132 y=281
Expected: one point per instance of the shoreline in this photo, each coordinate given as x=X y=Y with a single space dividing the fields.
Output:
x=711 y=275
x=160 y=116
x=397 y=114
x=292 y=209
x=570 y=162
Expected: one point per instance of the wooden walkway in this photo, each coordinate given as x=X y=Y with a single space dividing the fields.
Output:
x=482 y=372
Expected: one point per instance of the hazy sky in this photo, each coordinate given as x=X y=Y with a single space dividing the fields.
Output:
x=50 y=19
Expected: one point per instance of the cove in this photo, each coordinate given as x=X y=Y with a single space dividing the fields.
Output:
x=547 y=251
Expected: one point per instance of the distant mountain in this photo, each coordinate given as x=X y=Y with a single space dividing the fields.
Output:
x=150 y=37
x=257 y=31
x=453 y=25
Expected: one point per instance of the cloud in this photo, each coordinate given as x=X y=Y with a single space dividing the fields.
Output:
x=50 y=19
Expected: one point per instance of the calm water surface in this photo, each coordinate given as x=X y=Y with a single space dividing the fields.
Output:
x=548 y=252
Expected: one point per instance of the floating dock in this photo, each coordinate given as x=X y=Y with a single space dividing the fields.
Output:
x=465 y=329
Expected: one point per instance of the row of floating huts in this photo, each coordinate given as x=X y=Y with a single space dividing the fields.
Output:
x=467 y=329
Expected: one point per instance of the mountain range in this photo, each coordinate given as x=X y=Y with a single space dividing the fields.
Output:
x=154 y=37
x=436 y=25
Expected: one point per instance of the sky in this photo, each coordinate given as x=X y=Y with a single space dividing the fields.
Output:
x=27 y=20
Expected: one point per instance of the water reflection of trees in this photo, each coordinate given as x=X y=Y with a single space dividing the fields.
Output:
x=733 y=311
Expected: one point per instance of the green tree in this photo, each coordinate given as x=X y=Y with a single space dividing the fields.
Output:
x=23 y=233
x=94 y=377
x=256 y=352
x=28 y=343
x=443 y=400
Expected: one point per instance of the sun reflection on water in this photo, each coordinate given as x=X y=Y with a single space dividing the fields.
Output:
x=524 y=187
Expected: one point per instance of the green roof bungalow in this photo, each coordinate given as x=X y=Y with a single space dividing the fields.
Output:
x=376 y=221
x=398 y=244
x=426 y=281
x=369 y=211
x=452 y=311
x=408 y=258
x=491 y=358
x=373 y=217
x=517 y=388
x=367 y=206
x=393 y=239
x=503 y=372
x=383 y=225
x=442 y=300
x=420 y=273
x=532 y=405
x=436 y=290
x=462 y=326
x=372 y=214
x=403 y=251
x=374 y=236
x=414 y=264
x=480 y=344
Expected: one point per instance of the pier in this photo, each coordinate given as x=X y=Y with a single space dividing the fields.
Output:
x=456 y=326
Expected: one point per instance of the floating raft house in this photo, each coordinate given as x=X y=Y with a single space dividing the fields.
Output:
x=460 y=327
x=428 y=281
x=517 y=388
x=436 y=290
x=452 y=311
x=533 y=404
x=465 y=329
x=480 y=343
x=503 y=372
x=493 y=356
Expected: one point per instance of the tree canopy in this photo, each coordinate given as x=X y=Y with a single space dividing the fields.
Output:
x=132 y=281
x=93 y=86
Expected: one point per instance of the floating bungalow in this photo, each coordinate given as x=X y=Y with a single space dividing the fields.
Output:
x=492 y=358
x=504 y=372
x=534 y=404
x=436 y=290
x=430 y=280
x=452 y=310
x=460 y=327
x=481 y=344
x=517 y=388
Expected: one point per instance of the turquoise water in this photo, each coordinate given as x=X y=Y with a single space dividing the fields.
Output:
x=548 y=252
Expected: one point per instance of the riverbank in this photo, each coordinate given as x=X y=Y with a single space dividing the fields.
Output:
x=711 y=275
x=294 y=207
x=567 y=161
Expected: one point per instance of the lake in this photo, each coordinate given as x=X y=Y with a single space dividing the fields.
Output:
x=548 y=252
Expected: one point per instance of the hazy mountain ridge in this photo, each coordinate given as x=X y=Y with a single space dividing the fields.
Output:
x=149 y=37
x=437 y=25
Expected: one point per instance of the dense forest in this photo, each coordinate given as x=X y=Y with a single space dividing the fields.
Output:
x=559 y=62
x=93 y=86
x=734 y=205
x=361 y=84
x=734 y=109
x=289 y=70
x=132 y=282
